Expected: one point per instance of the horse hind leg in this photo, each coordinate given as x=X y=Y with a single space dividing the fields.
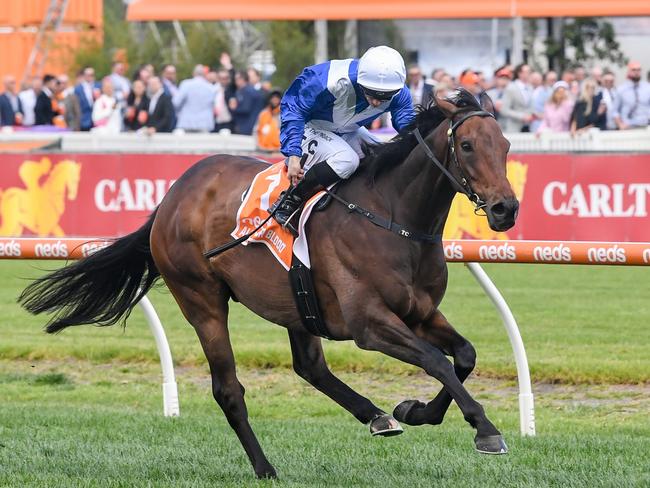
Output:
x=205 y=305
x=309 y=363
x=384 y=332
x=439 y=333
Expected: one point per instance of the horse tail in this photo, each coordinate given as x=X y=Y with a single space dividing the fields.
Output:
x=100 y=289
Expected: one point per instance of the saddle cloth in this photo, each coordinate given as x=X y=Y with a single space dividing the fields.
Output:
x=263 y=191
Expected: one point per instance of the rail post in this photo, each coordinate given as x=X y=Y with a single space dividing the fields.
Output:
x=170 y=390
x=526 y=401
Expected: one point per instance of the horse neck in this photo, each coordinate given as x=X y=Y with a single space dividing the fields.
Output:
x=419 y=193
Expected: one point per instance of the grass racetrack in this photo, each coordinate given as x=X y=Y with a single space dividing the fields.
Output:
x=84 y=408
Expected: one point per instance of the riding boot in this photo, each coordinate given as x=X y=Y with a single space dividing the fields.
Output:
x=319 y=176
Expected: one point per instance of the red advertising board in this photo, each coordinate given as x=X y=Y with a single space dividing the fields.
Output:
x=563 y=196
x=585 y=197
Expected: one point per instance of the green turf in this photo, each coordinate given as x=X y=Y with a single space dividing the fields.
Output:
x=83 y=408
x=79 y=424
x=579 y=325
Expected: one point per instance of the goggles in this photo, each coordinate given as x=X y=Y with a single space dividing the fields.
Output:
x=379 y=95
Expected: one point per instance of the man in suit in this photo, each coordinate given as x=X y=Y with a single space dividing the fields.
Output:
x=43 y=112
x=194 y=103
x=161 y=109
x=11 y=109
x=632 y=109
x=516 y=107
x=245 y=106
x=86 y=96
x=421 y=92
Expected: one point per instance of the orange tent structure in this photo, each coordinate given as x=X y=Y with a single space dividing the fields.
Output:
x=19 y=25
x=167 y=10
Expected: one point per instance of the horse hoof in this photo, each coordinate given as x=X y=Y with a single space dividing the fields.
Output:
x=385 y=425
x=406 y=408
x=491 y=444
x=267 y=473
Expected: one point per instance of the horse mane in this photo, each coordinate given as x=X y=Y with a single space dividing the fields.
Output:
x=383 y=157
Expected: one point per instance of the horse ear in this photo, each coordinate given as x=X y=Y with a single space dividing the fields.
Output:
x=486 y=103
x=446 y=107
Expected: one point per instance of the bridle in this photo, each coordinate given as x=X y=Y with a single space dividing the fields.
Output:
x=461 y=184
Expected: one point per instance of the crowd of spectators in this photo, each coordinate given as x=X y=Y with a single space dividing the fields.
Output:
x=222 y=100
x=528 y=101
x=240 y=102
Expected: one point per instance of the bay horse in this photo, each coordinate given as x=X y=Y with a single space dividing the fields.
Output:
x=377 y=288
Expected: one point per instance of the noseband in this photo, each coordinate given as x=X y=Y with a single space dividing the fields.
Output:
x=461 y=184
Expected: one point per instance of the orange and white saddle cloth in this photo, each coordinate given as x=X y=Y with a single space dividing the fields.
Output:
x=263 y=192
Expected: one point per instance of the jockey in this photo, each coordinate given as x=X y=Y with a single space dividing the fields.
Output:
x=323 y=114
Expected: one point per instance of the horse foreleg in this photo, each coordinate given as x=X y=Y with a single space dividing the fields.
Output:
x=206 y=307
x=439 y=333
x=385 y=332
x=309 y=363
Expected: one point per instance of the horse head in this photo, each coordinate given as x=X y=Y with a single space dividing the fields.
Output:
x=477 y=156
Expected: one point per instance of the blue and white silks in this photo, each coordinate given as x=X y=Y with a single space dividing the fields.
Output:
x=327 y=97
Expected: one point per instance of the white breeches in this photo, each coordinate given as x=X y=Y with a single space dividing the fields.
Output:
x=342 y=152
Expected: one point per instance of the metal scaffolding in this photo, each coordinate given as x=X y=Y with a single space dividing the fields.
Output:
x=48 y=28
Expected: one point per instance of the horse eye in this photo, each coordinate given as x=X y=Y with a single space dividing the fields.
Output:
x=466 y=146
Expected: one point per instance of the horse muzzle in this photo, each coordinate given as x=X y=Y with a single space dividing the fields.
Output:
x=502 y=215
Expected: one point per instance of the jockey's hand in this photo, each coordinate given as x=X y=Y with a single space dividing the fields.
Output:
x=294 y=171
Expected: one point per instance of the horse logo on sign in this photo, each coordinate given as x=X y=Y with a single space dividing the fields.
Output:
x=38 y=207
x=463 y=223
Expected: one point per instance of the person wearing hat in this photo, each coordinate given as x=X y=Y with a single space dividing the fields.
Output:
x=267 y=129
x=632 y=108
x=471 y=82
x=557 y=109
x=323 y=116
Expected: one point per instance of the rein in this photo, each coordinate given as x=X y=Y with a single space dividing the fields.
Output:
x=229 y=245
x=461 y=185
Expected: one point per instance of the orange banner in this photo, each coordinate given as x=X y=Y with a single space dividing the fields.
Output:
x=49 y=248
x=549 y=252
x=461 y=250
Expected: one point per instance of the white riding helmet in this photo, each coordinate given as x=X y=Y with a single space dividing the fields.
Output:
x=381 y=69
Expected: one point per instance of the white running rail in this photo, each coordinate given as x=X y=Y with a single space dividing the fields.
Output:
x=526 y=401
x=170 y=390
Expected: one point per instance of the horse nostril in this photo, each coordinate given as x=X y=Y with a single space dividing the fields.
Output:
x=498 y=209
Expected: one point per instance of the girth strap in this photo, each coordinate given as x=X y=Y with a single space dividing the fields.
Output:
x=305 y=298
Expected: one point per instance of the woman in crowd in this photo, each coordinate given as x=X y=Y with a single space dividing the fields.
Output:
x=107 y=117
x=267 y=129
x=137 y=107
x=590 y=109
x=557 y=110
